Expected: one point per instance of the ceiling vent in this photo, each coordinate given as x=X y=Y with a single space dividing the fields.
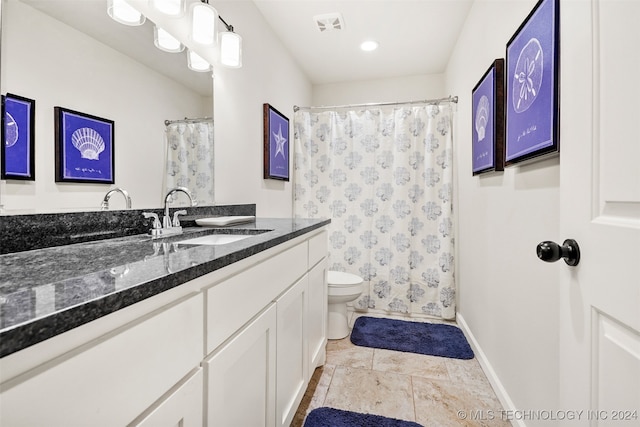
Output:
x=329 y=22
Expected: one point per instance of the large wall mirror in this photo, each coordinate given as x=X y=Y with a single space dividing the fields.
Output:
x=70 y=54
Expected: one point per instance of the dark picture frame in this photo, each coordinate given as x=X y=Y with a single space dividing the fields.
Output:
x=276 y=144
x=84 y=147
x=532 y=106
x=487 y=118
x=18 y=138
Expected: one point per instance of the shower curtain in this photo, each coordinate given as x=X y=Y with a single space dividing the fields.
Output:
x=190 y=159
x=384 y=177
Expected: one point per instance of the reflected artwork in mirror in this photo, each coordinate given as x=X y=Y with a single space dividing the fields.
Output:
x=18 y=138
x=99 y=66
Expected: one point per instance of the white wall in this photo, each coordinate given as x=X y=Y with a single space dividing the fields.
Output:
x=409 y=88
x=56 y=65
x=268 y=75
x=507 y=297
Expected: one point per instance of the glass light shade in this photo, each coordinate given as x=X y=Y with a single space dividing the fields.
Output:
x=165 y=41
x=169 y=7
x=124 y=13
x=204 y=19
x=230 y=49
x=197 y=62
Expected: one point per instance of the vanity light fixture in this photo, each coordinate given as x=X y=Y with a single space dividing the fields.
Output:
x=173 y=8
x=196 y=62
x=204 y=20
x=122 y=12
x=230 y=47
x=165 y=41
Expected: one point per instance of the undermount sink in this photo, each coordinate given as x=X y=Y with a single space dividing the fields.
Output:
x=215 y=239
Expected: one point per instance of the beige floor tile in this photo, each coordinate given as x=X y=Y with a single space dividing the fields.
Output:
x=344 y=353
x=445 y=403
x=372 y=392
x=410 y=364
x=466 y=371
x=315 y=394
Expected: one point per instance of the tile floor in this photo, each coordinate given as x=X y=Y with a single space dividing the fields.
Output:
x=426 y=389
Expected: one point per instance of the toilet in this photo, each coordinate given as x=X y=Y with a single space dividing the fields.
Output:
x=343 y=288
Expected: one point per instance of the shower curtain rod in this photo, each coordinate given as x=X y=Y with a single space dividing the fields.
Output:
x=187 y=120
x=453 y=99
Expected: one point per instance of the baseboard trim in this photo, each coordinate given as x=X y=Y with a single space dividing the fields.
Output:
x=498 y=388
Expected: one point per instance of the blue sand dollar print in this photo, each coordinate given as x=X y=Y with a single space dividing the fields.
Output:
x=17 y=137
x=531 y=85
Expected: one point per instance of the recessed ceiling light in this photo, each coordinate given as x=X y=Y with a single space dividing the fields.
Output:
x=369 y=45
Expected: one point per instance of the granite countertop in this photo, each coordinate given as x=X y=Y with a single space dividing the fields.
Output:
x=46 y=292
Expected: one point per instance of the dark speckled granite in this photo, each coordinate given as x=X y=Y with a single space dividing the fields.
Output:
x=26 y=232
x=49 y=291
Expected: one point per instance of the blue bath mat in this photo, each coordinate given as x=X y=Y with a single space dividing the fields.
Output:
x=330 y=417
x=412 y=337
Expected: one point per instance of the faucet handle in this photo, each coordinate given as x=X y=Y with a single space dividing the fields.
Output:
x=156 y=220
x=176 y=221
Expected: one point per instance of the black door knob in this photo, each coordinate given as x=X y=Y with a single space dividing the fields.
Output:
x=551 y=252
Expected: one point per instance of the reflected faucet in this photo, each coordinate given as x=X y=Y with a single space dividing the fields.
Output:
x=105 y=201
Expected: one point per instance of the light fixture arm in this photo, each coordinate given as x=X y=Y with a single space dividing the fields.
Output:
x=229 y=27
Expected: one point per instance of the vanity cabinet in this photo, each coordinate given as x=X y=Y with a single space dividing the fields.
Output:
x=292 y=349
x=109 y=380
x=241 y=376
x=235 y=347
x=180 y=407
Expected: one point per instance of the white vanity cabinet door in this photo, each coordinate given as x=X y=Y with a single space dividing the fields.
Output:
x=241 y=376
x=182 y=407
x=113 y=379
x=317 y=316
x=293 y=351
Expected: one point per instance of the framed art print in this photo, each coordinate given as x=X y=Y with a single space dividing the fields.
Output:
x=18 y=138
x=532 y=70
x=84 y=147
x=276 y=144
x=488 y=120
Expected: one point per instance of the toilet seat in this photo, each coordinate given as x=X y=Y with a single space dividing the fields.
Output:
x=340 y=279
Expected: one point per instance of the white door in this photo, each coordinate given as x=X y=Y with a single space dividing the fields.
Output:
x=600 y=209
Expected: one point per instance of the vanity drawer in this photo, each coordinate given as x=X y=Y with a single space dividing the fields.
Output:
x=236 y=300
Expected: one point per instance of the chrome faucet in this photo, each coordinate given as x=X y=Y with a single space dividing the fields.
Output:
x=168 y=227
x=105 y=201
x=166 y=221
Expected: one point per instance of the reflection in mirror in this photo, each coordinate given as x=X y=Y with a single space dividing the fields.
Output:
x=69 y=53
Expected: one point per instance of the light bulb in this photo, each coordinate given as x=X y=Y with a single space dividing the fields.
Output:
x=369 y=45
x=169 y=7
x=165 y=41
x=196 y=62
x=230 y=49
x=124 y=13
x=203 y=23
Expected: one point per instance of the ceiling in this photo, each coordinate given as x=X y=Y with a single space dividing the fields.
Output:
x=415 y=37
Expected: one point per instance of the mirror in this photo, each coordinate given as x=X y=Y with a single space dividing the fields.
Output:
x=69 y=53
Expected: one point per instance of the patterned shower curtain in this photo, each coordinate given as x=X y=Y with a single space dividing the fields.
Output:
x=190 y=159
x=384 y=177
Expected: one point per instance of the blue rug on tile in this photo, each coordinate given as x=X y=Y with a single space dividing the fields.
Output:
x=433 y=339
x=330 y=417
